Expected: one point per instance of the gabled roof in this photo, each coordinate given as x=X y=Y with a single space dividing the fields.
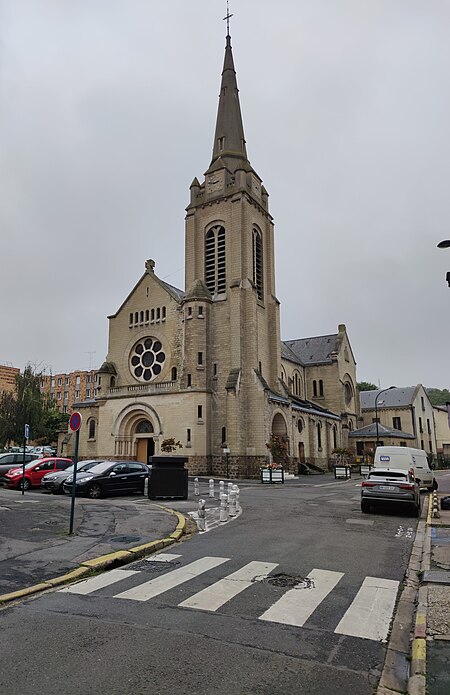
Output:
x=174 y=292
x=392 y=398
x=371 y=431
x=307 y=351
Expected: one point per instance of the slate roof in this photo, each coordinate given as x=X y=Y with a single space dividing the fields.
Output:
x=393 y=398
x=307 y=351
x=371 y=431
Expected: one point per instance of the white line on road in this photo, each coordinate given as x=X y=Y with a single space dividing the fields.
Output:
x=214 y=596
x=89 y=585
x=370 y=613
x=296 y=605
x=170 y=580
x=162 y=557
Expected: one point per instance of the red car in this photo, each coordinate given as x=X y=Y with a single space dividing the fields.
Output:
x=34 y=471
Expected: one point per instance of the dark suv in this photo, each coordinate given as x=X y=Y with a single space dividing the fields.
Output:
x=13 y=460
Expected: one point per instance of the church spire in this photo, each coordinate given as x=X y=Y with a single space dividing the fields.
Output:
x=229 y=140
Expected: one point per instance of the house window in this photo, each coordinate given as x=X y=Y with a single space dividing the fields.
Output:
x=88 y=379
x=88 y=393
x=189 y=312
x=91 y=429
x=147 y=316
x=300 y=425
x=199 y=412
x=396 y=423
x=258 y=263
x=52 y=383
x=66 y=395
x=174 y=373
x=200 y=359
x=420 y=426
x=152 y=315
x=77 y=394
x=189 y=380
x=112 y=382
x=141 y=317
x=67 y=380
x=422 y=402
x=421 y=444
x=188 y=436
x=430 y=448
x=402 y=443
x=315 y=388
x=224 y=435
x=296 y=384
x=163 y=313
x=59 y=382
x=334 y=437
x=158 y=314
x=320 y=388
x=136 y=317
x=319 y=436
x=77 y=381
x=215 y=369
x=428 y=426
x=260 y=367
x=215 y=276
x=131 y=319
x=200 y=311
x=58 y=396
x=65 y=409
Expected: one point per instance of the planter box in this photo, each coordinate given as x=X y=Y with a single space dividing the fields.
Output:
x=342 y=472
x=271 y=475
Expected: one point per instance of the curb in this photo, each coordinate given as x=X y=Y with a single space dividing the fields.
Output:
x=405 y=664
x=120 y=557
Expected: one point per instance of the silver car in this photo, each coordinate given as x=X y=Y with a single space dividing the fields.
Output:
x=389 y=485
x=54 y=481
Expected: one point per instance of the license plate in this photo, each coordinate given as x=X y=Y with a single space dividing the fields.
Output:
x=389 y=488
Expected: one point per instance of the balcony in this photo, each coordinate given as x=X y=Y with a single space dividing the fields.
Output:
x=144 y=389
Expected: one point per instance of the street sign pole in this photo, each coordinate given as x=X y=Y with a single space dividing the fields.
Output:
x=74 y=424
x=25 y=439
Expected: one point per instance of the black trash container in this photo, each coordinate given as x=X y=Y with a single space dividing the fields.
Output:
x=168 y=478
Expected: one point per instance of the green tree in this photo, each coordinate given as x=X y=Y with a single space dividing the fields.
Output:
x=366 y=386
x=29 y=403
x=438 y=396
x=7 y=418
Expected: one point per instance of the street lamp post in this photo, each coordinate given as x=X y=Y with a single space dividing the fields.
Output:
x=376 y=409
x=445 y=245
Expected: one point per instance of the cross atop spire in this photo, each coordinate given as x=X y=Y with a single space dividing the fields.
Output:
x=228 y=17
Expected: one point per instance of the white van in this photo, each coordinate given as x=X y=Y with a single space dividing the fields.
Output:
x=406 y=458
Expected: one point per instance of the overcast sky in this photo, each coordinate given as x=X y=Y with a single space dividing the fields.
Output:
x=107 y=113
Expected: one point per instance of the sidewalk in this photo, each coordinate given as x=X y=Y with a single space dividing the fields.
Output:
x=35 y=546
x=437 y=581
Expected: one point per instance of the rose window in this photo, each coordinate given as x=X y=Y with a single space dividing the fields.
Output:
x=147 y=359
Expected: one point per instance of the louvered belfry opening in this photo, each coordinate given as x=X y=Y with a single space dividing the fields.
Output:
x=215 y=265
x=258 y=264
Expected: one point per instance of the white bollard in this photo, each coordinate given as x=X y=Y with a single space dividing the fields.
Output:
x=201 y=523
x=211 y=487
x=223 y=508
x=232 y=503
x=238 y=503
x=221 y=489
x=230 y=487
x=146 y=487
x=196 y=487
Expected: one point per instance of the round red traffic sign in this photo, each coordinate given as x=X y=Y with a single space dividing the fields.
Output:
x=75 y=421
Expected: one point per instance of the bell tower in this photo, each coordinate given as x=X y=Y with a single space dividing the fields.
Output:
x=230 y=250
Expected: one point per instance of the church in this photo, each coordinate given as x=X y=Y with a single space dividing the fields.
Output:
x=206 y=365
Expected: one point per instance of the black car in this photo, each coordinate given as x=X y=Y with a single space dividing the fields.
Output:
x=53 y=481
x=110 y=478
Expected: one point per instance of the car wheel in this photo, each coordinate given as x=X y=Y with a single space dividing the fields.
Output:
x=365 y=506
x=95 y=491
x=58 y=490
x=24 y=485
x=416 y=509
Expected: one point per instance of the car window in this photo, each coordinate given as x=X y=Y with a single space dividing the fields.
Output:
x=388 y=474
x=46 y=466
x=62 y=465
x=120 y=468
x=9 y=458
x=135 y=468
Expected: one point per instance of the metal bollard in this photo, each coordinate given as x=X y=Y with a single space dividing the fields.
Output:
x=221 y=489
x=238 y=504
x=230 y=487
x=232 y=503
x=223 y=508
x=201 y=523
x=146 y=487
x=211 y=487
x=196 y=487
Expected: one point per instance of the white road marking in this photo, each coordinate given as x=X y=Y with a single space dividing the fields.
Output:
x=296 y=605
x=87 y=586
x=167 y=581
x=162 y=557
x=214 y=596
x=370 y=613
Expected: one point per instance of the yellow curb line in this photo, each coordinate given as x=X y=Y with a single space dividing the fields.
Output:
x=121 y=557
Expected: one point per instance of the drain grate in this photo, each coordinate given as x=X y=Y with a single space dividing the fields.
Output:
x=287 y=581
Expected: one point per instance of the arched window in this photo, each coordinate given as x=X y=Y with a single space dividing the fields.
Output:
x=146 y=315
x=141 y=317
x=319 y=435
x=136 y=317
x=131 y=319
x=91 y=428
x=314 y=389
x=258 y=263
x=144 y=427
x=158 y=313
x=215 y=275
x=300 y=424
x=112 y=382
x=174 y=373
x=152 y=315
x=334 y=437
x=297 y=384
x=224 y=435
x=348 y=393
x=320 y=388
x=164 y=312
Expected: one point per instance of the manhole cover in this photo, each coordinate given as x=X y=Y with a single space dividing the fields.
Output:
x=288 y=581
x=125 y=539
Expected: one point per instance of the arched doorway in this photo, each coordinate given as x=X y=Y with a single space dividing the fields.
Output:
x=301 y=452
x=279 y=432
x=145 y=447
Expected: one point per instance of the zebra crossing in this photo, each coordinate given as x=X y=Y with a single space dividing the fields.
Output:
x=368 y=616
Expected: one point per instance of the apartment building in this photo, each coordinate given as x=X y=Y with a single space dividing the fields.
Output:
x=70 y=388
x=8 y=375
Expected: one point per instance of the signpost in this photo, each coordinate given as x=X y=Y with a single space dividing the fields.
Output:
x=74 y=424
x=26 y=436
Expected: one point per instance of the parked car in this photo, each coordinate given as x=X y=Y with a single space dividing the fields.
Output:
x=386 y=486
x=405 y=457
x=10 y=460
x=44 y=451
x=110 y=478
x=53 y=481
x=34 y=472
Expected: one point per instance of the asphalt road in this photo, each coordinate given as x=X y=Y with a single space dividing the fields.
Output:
x=238 y=632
